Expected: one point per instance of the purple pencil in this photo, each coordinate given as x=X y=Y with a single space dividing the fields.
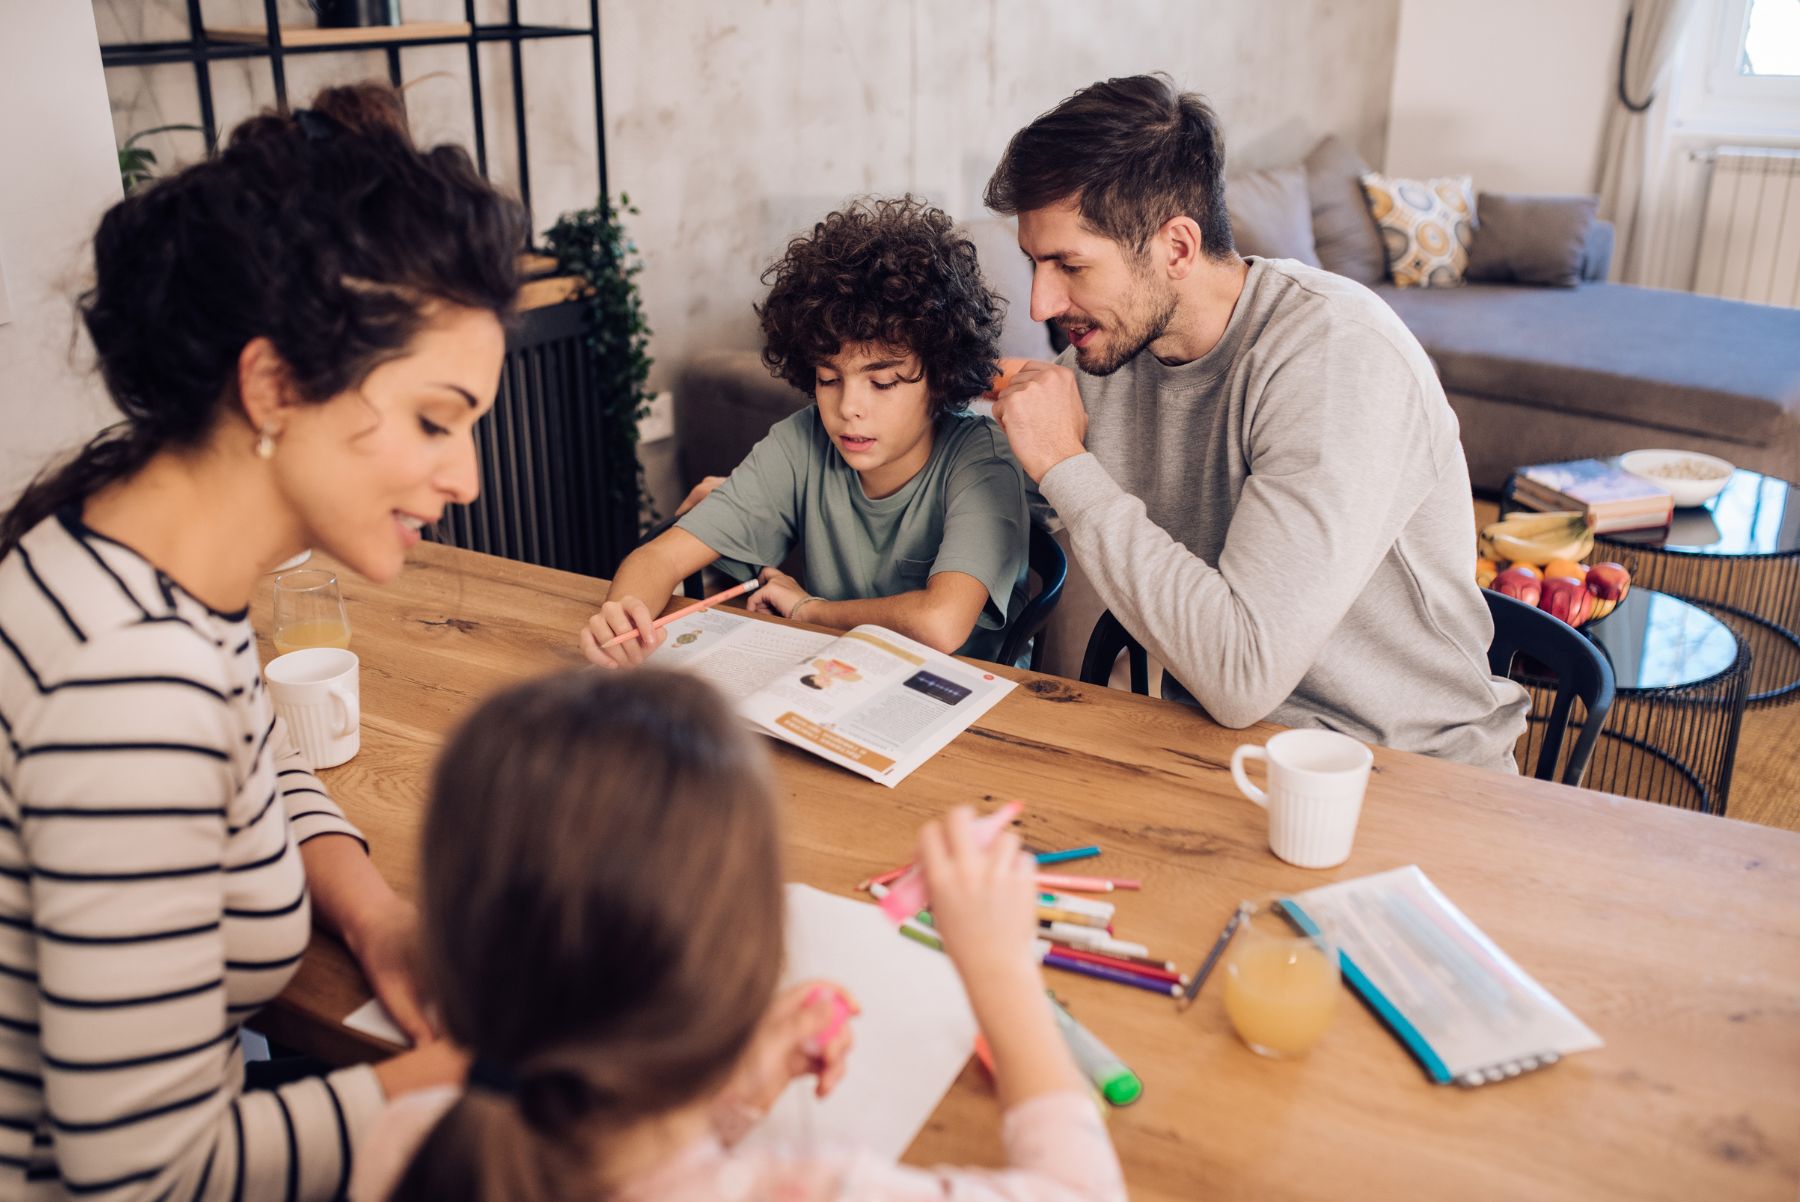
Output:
x=1116 y=975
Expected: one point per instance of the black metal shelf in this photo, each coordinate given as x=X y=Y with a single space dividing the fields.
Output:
x=148 y=54
x=201 y=52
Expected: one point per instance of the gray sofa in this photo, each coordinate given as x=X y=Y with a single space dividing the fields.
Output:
x=1536 y=373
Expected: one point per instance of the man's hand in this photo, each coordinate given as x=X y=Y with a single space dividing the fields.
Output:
x=1043 y=417
x=779 y=593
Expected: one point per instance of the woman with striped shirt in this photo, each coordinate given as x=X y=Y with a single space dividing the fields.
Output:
x=301 y=332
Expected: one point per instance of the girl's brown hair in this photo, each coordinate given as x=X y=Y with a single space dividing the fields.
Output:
x=325 y=230
x=602 y=926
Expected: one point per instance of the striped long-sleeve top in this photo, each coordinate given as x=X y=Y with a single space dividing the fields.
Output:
x=152 y=894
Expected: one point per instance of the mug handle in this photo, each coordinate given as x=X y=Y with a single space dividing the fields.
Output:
x=1249 y=751
x=350 y=709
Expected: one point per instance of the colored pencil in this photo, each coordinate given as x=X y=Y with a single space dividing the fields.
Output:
x=1142 y=967
x=1076 y=884
x=918 y=935
x=886 y=878
x=749 y=586
x=1077 y=917
x=1079 y=905
x=1118 y=976
x=1212 y=957
x=1063 y=857
x=1156 y=963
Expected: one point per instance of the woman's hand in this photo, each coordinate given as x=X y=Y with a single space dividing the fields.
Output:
x=779 y=593
x=386 y=944
x=805 y=1031
x=617 y=617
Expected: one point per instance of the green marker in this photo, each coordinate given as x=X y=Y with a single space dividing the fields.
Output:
x=1116 y=1082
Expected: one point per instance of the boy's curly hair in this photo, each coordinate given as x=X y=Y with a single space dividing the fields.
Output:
x=890 y=272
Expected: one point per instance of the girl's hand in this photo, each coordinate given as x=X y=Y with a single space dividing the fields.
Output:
x=386 y=945
x=616 y=618
x=779 y=593
x=983 y=900
x=795 y=1038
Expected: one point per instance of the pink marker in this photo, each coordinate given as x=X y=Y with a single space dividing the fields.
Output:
x=840 y=1014
x=907 y=897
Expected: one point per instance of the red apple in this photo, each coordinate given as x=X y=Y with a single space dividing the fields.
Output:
x=1519 y=583
x=1609 y=581
x=1566 y=599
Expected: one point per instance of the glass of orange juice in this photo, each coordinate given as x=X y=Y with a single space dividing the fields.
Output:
x=1281 y=985
x=309 y=611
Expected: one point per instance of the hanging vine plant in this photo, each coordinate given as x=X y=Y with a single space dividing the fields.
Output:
x=592 y=245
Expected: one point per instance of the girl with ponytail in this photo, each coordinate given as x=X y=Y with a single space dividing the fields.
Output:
x=299 y=334
x=602 y=927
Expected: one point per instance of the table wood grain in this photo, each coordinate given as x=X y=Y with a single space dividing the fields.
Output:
x=1674 y=935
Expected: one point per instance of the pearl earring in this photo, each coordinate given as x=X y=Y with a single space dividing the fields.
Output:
x=265 y=443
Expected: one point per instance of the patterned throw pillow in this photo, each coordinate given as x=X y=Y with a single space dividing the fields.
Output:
x=1426 y=227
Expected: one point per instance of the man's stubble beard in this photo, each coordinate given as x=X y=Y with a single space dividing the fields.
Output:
x=1158 y=313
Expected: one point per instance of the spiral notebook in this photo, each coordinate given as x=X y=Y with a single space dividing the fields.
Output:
x=1452 y=998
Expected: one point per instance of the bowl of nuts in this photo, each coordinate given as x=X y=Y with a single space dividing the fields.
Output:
x=1691 y=478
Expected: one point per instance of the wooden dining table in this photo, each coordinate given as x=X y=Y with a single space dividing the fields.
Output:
x=1674 y=935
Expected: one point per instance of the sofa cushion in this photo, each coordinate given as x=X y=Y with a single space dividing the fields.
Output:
x=1426 y=226
x=1665 y=360
x=1271 y=214
x=1530 y=239
x=1343 y=232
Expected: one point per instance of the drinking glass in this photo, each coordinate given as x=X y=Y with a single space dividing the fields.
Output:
x=1281 y=985
x=309 y=611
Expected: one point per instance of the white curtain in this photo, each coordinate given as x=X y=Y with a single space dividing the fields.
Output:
x=1633 y=151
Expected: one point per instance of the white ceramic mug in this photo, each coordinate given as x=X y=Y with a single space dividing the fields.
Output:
x=1316 y=783
x=314 y=691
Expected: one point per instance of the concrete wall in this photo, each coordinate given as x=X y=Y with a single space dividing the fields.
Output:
x=58 y=173
x=1513 y=94
x=734 y=125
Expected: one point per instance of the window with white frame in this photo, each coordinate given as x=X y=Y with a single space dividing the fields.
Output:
x=1741 y=69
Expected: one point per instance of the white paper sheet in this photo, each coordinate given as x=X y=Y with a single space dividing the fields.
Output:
x=372 y=1018
x=913 y=1037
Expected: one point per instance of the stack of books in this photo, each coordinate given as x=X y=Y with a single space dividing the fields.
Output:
x=1612 y=497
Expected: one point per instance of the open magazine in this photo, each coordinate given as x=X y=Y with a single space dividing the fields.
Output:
x=870 y=700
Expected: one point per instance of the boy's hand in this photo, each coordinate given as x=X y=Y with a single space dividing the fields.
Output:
x=1043 y=417
x=614 y=619
x=779 y=593
x=983 y=900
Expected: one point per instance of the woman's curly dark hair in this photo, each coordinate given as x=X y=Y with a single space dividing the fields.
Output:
x=326 y=231
x=889 y=272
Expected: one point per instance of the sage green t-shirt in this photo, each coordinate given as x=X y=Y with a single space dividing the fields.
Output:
x=964 y=512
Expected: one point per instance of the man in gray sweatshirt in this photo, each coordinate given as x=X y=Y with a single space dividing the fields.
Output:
x=1254 y=459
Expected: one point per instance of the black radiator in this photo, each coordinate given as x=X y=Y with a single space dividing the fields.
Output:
x=544 y=497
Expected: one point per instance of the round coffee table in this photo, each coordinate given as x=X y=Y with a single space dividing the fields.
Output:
x=1672 y=733
x=1739 y=557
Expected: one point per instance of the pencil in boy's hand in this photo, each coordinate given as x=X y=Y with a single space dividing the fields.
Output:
x=749 y=586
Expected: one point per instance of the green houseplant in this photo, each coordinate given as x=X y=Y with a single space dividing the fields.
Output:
x=592 y=244
x=137 y=163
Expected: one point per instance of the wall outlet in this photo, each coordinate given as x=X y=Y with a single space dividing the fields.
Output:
x=659 y=423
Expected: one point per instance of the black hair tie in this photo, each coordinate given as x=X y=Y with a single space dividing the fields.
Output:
x=495 y=1078
x=315 y=125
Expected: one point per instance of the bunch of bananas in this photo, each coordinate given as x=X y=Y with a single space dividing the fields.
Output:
x=1538 y=538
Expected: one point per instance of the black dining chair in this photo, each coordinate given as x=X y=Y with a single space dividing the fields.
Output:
x=1104 y=645
x=1050 y=565
x=1552 y=648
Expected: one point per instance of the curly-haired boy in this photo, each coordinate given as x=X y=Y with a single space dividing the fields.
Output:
x=910 y=509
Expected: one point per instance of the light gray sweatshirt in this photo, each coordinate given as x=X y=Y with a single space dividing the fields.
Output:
x=1286 y=524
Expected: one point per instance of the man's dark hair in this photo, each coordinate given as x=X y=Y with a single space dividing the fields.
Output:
x=892 y=272
x=1132 y=153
